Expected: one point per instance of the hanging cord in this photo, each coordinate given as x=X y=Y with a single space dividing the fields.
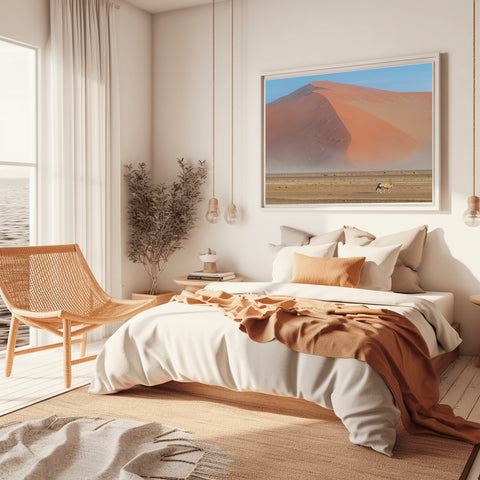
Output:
x=213 y=98
x=231 y=172
x=474 y=152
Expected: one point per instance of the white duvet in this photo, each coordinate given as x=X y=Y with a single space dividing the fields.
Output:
x=198 y=343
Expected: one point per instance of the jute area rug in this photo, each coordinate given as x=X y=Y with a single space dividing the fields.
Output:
x=270 y=437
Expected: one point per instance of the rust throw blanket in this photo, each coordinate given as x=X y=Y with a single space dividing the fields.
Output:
x=385 y=340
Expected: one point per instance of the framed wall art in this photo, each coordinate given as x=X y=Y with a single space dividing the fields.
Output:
x=362 y=135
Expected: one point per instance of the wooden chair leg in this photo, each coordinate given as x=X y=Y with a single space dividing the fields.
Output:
x=83 y=345
x=12 y=340
x=67 y=352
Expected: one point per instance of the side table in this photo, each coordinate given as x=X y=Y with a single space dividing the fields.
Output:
x=194 y=285
x=162 y=297
x=476 y=300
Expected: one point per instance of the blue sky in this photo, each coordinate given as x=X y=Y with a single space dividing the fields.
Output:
x=402 y=78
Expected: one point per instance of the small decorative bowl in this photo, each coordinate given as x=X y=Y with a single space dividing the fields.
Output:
x=208 y=257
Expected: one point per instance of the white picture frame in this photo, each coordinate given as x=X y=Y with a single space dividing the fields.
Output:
x=354 y=136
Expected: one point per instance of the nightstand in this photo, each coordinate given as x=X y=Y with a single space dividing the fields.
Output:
x=162 y=297
x=194 y=285
x=476 y=300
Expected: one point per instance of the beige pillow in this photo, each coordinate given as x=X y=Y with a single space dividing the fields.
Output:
x=335 y=236
x=355 y=236
x=405 y=278
x=377 y=271
x=290 y=236
x=293 y=236
x=283 y=264
x=339 y=272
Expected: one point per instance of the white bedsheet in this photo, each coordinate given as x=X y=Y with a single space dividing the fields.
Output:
x=444 y=301
x=198 y=343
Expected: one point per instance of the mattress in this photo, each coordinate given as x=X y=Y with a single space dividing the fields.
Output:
x=442 y=300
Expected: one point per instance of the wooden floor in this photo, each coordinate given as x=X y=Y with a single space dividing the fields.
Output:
x=39 y=376
x=460 y=388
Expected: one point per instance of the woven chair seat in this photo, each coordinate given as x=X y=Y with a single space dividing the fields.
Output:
x=110 y=312
x=53 y=288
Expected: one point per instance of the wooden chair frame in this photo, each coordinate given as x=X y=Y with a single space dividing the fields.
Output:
x=52 y=288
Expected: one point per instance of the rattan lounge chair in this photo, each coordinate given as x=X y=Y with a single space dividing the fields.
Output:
x=53 y=288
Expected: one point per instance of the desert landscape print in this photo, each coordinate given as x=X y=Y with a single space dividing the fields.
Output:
x=361 y=136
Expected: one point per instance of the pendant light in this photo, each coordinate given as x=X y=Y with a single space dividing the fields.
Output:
x=212 y=214
x=231 y=214
x=471 y=216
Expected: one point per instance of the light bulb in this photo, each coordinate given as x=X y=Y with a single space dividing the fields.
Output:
x=231 y=214
x=212 y=214
x=471 y=216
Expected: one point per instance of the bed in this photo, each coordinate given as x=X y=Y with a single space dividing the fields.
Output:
x=214 y=351
x=198 y=342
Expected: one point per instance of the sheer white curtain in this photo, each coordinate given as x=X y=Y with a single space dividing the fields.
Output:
x=79 y=171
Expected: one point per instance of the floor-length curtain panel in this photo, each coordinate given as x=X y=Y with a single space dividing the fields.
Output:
x=82 y=152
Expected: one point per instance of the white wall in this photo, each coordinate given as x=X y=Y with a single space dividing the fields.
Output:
x=134 y=28
x=273 y=35
x=26 y=21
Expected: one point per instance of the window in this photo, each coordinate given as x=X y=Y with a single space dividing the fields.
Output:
x=18 y=155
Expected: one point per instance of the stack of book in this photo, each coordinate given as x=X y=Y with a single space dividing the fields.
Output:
x=211 y=276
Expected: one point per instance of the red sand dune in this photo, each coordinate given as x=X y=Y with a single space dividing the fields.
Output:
x=327 y=126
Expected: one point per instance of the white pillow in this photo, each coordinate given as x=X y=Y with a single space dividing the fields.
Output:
x=282 y=268
x=405 y=278
x=379 y=263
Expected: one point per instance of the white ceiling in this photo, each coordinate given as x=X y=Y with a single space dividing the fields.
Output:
x=157 y=6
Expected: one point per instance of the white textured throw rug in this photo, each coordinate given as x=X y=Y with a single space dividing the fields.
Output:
x=80 y=448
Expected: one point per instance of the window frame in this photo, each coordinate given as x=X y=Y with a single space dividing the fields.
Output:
x=33 y=194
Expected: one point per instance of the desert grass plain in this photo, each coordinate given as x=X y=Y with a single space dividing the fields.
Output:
x=408 y=186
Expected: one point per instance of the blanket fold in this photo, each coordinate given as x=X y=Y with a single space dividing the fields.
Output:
x=384 y=339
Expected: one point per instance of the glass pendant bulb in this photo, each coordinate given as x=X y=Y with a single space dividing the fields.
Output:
x=231 y=214
x=471 y=216
x=212 y=214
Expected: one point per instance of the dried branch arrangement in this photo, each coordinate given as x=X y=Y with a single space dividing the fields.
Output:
x=160 y=217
